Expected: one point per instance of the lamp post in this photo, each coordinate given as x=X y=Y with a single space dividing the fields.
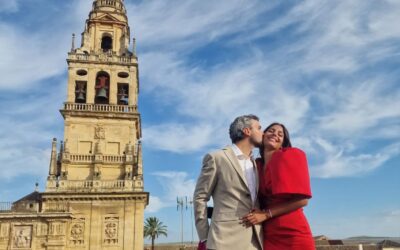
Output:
x=180 y=204
x=191 y=216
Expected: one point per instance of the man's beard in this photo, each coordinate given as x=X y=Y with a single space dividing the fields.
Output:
x=255 y=143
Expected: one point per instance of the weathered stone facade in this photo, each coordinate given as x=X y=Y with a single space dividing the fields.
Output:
x=94 y=197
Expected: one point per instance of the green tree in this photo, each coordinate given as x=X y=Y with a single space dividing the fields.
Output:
x=153 y=228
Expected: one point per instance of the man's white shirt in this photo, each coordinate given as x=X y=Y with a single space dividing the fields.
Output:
x=247 y=166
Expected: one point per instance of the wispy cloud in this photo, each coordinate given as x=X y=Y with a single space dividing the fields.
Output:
x=177 y=137
x=317 y=80
x=175 y=184
x=178 y=25
x=30 y=55
x=28 y=126
x=340 y=164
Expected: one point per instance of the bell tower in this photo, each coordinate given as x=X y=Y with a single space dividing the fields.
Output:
x=97 y=173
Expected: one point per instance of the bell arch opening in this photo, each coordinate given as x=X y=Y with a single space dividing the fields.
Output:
x=102 y=88
x=106 y=43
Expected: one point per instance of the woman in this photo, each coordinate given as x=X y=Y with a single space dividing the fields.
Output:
x=284 y=190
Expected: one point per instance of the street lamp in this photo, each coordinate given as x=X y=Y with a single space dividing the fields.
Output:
x=180 y=204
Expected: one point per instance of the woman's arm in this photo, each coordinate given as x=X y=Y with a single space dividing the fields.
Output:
x=258 y=216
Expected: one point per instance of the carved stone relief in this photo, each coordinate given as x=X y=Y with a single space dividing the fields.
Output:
x=22 y=237
x=77 y=232
x=110 y=229
x=4 y=229
x=99 y=133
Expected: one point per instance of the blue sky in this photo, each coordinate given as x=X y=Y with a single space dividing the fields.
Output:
x=329 y=70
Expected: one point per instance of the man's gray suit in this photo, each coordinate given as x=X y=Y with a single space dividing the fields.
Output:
x=222 y=178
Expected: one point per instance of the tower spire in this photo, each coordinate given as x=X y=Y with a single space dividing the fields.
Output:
x=53 y=160
x=73 y=42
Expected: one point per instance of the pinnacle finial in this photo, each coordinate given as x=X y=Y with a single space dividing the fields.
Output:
x=73 y=42
x=134 y=46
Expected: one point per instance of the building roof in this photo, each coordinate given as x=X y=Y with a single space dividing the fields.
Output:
x=34 y=196
x=389 y=243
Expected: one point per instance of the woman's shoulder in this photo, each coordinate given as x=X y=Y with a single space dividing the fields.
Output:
x=290 y=152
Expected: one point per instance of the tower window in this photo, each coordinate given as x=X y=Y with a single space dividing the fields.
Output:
x=80 y=92
x=123 y=93
x=81 y=72
x=102 y=88
x=106 y=43
x=123 y=74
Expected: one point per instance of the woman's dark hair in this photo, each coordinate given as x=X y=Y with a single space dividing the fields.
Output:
x=286 y=138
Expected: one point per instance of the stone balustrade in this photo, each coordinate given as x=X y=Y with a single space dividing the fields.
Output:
x=90 y=158
x=94 y=185
x=107 y=3
x=80 y=158
x=100 y=108
x=102 y=57
x=114 y=158
x=57 y=207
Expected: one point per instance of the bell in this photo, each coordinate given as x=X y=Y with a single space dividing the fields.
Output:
x=102 y=94
x=80 y=97
x=124 y=100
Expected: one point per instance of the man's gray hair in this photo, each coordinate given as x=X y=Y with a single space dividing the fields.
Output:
x=237 y=126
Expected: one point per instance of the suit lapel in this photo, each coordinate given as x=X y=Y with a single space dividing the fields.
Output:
x=257 y=177
x=235 y=163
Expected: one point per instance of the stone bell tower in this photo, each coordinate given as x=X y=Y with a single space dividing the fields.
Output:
x=94 y=197
x=97 y=174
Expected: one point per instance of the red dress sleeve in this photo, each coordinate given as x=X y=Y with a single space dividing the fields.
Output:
x=289 y=172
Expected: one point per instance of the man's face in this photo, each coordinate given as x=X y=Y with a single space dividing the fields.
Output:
x=256 y=134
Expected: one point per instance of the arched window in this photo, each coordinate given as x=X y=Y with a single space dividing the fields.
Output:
x=102 y=88
x=106 y=43
x=123 y=94
x=80 y=92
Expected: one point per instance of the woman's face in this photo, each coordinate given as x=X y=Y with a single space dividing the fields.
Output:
x=273 y=137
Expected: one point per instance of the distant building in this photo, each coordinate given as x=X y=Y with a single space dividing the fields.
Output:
x=389 y=245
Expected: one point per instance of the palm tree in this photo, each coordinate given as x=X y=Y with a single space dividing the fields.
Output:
x=153 y=228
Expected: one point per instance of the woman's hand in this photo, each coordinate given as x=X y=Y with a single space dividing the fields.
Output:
x=255 y=217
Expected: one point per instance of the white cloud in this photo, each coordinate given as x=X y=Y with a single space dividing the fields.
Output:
x=178 y=138
x=30 y=55
x=155 y=204
x=334 y=117
x=28 y=126
x=176 y=24
x=361 y=107
x=174 y=184
x=338 y=163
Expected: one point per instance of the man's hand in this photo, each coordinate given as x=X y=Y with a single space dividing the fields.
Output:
x=202 y=245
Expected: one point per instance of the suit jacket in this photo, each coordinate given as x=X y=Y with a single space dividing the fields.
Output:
x=222 y=178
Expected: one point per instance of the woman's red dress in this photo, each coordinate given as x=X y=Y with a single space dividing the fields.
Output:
x=285 y=175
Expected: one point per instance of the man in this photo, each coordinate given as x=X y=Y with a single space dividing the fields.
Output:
x=230 y=177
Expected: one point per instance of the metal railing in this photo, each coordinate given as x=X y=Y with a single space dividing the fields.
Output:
x=5 y=207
